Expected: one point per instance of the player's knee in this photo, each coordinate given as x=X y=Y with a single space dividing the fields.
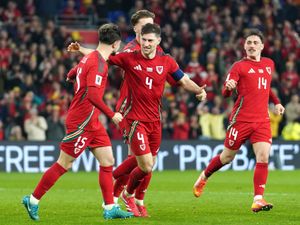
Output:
x=262 y=159
x=225 y=159
x=146 y=167
x=109 y=161
x=65 y=164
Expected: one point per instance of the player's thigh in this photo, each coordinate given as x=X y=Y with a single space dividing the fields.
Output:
x=75 y=142
x=262 y=151
x=104 y=155
x=155 y=138
x=262 y=133
x=101 y=148
x=236 y=135
x=261 y=139
x=138 y=138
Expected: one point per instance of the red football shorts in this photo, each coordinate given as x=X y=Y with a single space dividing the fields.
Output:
x=144 y=137
x=75 y=142
x=122 y=127
x=238 y=132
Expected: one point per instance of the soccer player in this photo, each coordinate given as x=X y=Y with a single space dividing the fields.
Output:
x=251 y=78
x=121 y=173
x=84 y=128
x=147 y=71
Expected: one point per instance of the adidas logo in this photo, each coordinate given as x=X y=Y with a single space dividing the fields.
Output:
x=138 y=67
x=251 y=71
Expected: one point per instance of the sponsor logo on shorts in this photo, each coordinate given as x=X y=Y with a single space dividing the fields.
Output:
x=231 y=142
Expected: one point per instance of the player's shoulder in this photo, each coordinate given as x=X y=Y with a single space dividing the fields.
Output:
x=237 y=64
x=266 y=60
x=132 y=46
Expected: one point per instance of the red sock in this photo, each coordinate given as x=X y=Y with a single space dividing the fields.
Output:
x=214 y=165
x=106 y=184
x=48 y=180
x=260 y=178
x=125 y=167
x=142 y=188
x=135 y=178
x=119 y=184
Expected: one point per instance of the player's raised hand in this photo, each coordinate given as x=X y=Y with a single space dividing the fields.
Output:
x=230 y=85
x=117 y=118
x=279 y=109
x=202 y=95
x=73 y=47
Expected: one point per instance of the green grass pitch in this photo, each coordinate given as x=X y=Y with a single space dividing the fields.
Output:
x=76 y=199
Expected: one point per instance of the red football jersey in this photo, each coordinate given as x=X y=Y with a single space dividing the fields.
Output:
x=90 y=72
x=253 y=89
x=146 y=80
x=123 y=100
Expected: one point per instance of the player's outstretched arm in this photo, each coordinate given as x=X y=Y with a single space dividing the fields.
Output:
x=76 y=47
x=191 y=86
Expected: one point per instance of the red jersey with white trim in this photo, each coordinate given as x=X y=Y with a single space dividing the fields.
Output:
x=90 y=72
x=146 y=81
x=123 y=98
x=253 y=89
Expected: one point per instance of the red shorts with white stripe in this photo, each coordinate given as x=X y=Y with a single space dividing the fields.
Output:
x=144 y=137
x=76 y=141
x=238 y=132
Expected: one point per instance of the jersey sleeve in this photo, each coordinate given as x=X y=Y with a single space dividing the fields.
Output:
x=174 y=70
x=118 y=59
x=72 y=73
x=96 y=83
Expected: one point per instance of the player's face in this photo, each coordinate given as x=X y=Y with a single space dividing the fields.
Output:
x=149 y=44
x=253 y=47
x=138 y=27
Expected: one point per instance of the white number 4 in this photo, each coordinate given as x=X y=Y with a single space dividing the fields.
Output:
x=149 y=82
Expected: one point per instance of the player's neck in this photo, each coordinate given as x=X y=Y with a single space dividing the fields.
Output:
x=149 y=56
x=104 y=51
x=254 y=58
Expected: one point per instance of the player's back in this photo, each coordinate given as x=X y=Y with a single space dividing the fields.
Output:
x=82 y=114
x=253 y=90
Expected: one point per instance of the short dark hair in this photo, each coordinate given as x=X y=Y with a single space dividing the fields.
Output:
x=151 y=28
x=141 y=14
x=109 y=33
x=255 y=32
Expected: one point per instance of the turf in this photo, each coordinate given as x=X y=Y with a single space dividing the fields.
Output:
x=75 y=199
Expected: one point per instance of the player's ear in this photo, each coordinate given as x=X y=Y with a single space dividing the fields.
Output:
x=262 y=46
x=159 y=40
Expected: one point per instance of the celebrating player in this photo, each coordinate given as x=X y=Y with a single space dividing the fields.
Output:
x=83 y=127
x=251 y=78
x=147 y=72
x=121 y=173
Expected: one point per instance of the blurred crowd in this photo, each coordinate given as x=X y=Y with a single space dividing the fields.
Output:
x=205 y=37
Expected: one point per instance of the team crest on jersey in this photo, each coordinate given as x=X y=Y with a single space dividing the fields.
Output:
x=268 y=70
x=231 y=142
x=159 y=69
x=143 y=147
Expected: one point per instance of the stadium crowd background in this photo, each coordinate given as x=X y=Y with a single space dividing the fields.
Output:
x=205 y=37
